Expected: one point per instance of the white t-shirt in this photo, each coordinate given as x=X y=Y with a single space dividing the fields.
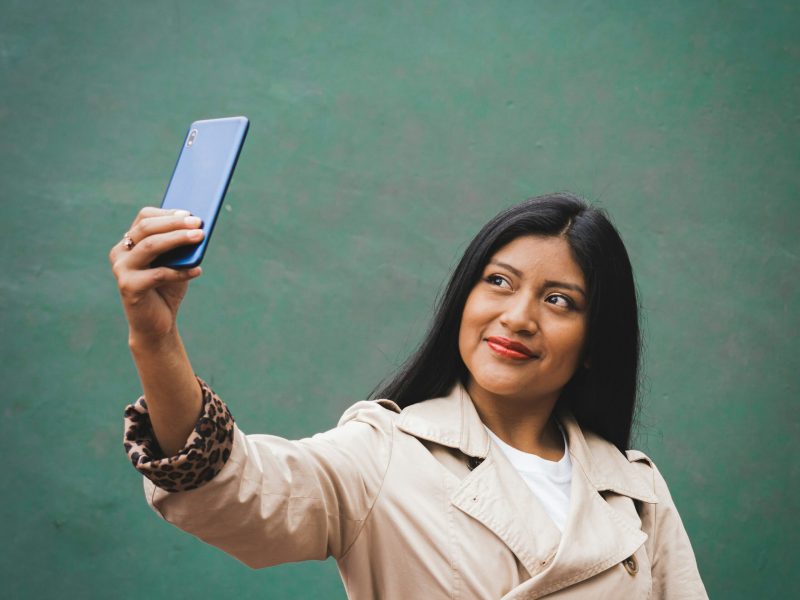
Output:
x=550 y=481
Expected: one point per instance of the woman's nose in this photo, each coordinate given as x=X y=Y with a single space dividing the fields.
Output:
x=520 y=315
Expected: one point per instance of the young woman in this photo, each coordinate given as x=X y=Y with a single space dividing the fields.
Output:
x=493 y=465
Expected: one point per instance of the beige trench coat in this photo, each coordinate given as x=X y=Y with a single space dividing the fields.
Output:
x=419 y=504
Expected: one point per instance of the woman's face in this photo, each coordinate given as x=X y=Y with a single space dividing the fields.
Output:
x=525 y=322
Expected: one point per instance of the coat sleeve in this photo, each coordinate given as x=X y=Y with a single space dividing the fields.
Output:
x=205 y=452
x=673 y=565
x=276 y=500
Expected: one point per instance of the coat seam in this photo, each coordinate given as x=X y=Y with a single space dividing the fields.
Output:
x=451 y=528
x=654 y=545
x=153 y=502
x=375 y=501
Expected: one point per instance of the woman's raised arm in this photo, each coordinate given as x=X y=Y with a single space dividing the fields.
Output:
x=151 y=298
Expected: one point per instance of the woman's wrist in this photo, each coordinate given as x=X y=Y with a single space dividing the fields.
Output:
x=140 y=343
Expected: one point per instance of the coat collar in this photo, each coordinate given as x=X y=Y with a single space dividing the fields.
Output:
x=453 y=421
x=450 y=421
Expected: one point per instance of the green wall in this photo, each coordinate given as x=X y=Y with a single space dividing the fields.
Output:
x=383 y=135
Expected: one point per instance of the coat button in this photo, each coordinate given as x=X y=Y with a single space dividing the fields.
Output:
x=631 y=566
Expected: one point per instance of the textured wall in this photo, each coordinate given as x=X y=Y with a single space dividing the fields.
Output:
x=383 y=135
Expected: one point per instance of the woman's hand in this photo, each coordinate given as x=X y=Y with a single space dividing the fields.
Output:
x=151 y=296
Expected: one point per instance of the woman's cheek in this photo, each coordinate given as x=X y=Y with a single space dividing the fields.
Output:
x=572 y=345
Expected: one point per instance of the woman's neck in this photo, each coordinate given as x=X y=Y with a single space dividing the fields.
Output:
x=525 y=425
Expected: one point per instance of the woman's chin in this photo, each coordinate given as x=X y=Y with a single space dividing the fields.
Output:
x=499 y=386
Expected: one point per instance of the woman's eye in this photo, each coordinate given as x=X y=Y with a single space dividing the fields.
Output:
x=497 y=280
x=559 y=300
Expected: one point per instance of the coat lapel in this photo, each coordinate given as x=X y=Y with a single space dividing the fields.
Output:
x=596 y=536
x=493 y=493
x=496 y=495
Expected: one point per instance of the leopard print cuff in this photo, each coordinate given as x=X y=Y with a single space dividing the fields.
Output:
x=206 y=451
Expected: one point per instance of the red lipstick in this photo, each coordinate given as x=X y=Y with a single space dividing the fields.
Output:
x=510 y=348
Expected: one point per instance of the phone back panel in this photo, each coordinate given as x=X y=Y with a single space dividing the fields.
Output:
x=200 y=179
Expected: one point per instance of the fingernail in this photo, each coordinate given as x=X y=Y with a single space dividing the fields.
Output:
x=192 y=221
x=182 y=213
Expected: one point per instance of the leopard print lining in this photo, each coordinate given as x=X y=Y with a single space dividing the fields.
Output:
x=205 y=453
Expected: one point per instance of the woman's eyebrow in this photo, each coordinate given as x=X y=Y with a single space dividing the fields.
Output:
x=516 y=272
x=563 y=284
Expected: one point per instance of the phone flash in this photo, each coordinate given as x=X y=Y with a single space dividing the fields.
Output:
x=192 y=136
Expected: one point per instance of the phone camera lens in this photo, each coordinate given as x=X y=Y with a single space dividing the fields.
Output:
x=192 y=136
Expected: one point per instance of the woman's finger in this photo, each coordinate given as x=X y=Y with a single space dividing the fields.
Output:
x=161 y=224
x=134 y=284
x=147 y=250
x=152 y=211
x=145 y=215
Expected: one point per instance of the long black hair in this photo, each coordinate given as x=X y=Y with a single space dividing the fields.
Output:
x=602 y=392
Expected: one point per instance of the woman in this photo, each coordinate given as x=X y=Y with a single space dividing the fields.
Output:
x=496 y=468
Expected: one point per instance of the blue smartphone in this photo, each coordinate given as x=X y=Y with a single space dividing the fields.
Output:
x=200 y=179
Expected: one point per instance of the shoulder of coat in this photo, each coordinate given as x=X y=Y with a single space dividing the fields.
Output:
x=638 y=456
x=388 y=404
x=370 y=411
x=642 y=463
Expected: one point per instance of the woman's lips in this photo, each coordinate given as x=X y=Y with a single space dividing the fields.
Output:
x=510 y=349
